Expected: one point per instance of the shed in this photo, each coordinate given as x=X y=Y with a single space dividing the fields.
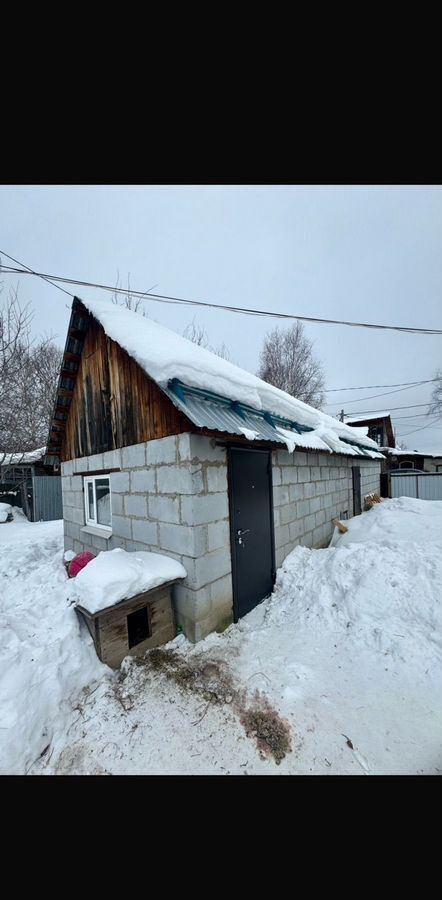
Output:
x=31 y=481
x=165 y=447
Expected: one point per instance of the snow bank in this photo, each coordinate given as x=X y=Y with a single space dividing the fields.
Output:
x=381 y=582
x=44 y=658
x=164 y=355
x=116 y=575
x=5 y=510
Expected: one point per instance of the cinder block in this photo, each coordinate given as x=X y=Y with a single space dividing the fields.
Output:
x=142 y=481
x=276 y=475
x=289 y=475
x=112 y=459
x=65 y=484
x=121 y=526
x=299 y=459
x=308 y=524
x=287 y=513
x=284 y=458
x=120 y=482
x=183 y=539
x=302 y=508
x=208 y=568
x=144 y=531
x=179 y=480
x=320 y=517
x=192 y=604
x=78 y=516
x=80 y=464
x=95 y=462
x=199 y=510
x=282 y=535
x=216 y=478
x=296 y=529
x=161 y=451
x=315 y=504
x=164 y=509
x=183 y=445
x=218 y=534
x=77 y=483
x=281 y=495
x=67 y=468
x=297 y=492
x=221 y=592
x=304 y=473
x=117 y=504
x=205 y=449
x=309 y=489
x=134 y=456
x=135 y=505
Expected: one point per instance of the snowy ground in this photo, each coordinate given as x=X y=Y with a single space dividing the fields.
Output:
x=343 y=662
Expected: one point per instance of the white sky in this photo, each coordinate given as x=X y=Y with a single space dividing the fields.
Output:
x=365 y=253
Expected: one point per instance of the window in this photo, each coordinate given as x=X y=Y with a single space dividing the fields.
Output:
x=97 y=501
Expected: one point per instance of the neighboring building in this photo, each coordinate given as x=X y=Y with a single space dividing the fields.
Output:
x=412 y=459
x=166 y=447
x=379 y=427
x=30 y=481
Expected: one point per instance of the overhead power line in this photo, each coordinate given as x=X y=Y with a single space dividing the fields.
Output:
x=366 y=387
x=374 y=396
x=392 y=408
x=243 y=310
x=429 y=425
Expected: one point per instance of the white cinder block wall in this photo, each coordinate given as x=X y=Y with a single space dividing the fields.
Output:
x=309 y=490
x=171 y=496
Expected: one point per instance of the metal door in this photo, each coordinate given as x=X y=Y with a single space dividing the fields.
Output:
x=357 y=508
x=251 y=528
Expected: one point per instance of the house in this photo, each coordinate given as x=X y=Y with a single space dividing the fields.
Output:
x=378 y=425
x=31 y=481
x=166 y=447
x=412 y=459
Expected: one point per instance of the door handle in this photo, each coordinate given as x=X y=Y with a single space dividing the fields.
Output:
x=240 y=533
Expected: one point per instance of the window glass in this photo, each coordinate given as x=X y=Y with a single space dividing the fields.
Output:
x=90 y=500
x=102 y=488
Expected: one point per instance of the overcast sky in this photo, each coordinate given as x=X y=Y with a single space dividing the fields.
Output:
x=364 y=253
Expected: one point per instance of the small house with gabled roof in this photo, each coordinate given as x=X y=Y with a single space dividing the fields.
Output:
x=166 y=447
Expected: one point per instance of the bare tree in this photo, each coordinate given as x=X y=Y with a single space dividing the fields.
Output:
x=287 y=361
x=128 y=300
x=198 y=335
x=28 y=379
x=435 y=407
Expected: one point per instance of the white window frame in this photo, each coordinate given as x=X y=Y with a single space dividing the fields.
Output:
x=93 y=523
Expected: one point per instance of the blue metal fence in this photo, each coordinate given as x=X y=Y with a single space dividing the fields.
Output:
x=47 y=502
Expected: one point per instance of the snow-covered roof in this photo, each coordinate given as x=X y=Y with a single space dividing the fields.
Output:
x=166 y=356
x=354 y=419
x=23 y=459
x=116 y=575
x=392 y=451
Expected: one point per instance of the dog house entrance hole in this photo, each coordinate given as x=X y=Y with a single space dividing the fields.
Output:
x=138 y=626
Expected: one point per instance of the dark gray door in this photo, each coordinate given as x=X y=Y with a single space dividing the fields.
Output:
x=251 y=527
x=356 y=490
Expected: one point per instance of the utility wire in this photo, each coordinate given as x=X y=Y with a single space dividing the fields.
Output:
x=366 y=387
x=392 y=408
x=374 y=396
x=430 y=424
x=164 y=298
x=28 y=271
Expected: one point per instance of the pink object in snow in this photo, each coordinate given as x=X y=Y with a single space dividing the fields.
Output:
x=79 y=562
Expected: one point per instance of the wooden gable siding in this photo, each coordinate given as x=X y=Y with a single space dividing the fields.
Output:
x=114 y=403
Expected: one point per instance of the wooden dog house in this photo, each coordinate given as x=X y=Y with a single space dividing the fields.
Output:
x=132 y=626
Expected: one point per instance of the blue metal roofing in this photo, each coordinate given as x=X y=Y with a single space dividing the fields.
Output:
x=219 y=416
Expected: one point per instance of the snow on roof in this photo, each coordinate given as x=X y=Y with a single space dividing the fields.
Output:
x=116 y=575
x=354 y=419
x=392 y=451
x=165 y=355
x=23 y=459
